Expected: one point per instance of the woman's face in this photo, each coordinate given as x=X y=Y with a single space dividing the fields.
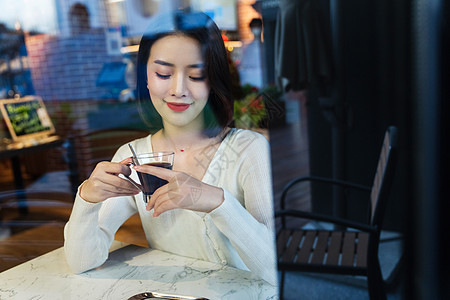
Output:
x=177 y=83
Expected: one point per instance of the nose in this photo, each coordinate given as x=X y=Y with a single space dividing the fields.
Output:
x=178 y=86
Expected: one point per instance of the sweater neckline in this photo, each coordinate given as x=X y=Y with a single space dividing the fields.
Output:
x=219 y=150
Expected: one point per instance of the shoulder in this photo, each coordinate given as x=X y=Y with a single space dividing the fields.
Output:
x=245 y=138
x=246 y=141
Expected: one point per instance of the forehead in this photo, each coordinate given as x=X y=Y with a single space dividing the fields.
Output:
x=176 y=49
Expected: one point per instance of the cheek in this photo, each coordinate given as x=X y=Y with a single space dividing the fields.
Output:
x=156 y=89
x=201 y=92
x=155 y=94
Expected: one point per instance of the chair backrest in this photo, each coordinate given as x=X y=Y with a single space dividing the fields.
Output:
x=100 y=145
x=383 y=177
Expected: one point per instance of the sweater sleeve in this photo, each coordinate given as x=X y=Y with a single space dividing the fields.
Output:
x=250 y=227
x=91 y=228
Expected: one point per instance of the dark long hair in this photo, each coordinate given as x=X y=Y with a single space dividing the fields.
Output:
x=218 y=112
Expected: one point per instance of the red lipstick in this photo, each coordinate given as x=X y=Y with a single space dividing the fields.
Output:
x=177 y=106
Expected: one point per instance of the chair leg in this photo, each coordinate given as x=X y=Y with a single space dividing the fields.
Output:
x=281 y=285
x=377 y=290
x=393 y=280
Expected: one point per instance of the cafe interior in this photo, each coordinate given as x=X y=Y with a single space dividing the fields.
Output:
x=353 y=94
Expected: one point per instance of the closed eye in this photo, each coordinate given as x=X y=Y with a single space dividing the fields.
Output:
x=200 y=78
x=162 y=76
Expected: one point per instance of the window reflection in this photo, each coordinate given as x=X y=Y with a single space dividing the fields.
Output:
x=85 y=72
x=79 y=19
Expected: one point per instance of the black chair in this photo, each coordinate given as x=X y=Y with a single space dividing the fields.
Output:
x=340 y=251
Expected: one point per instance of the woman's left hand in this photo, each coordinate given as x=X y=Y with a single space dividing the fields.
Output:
x=182 y=191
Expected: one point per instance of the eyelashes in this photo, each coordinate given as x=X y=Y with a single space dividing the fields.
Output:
x=200 y=78
x=162 y=76
x=193 y=78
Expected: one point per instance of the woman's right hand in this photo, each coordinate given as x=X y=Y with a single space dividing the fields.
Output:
x=105 y=182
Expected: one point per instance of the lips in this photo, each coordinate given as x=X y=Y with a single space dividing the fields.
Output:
x=177 y=106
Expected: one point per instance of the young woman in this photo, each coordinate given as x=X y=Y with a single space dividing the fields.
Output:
x=217 y=205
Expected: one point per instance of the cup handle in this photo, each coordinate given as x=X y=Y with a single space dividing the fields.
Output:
x=131 y=180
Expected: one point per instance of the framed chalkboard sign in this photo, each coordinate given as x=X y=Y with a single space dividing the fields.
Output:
x=26 y=118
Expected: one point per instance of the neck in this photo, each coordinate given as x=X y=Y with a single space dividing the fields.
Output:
x=182 y=135
x=183 y=139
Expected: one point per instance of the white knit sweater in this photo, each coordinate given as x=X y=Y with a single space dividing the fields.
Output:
x=238 y=233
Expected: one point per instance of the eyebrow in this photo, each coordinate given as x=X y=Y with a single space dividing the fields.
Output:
x=165 y=63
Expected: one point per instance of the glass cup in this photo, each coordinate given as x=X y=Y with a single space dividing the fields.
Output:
x=151 y=183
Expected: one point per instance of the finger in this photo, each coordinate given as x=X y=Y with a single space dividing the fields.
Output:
x=156 y=195
x=168 y=199
x=164 y=204
x=95 y=191
x=178 y=191
x=112 y=168
x=117 y=191
x=109 y=194
x=124 y=169
x=162 y=173
x=115 y=184
x=139 y=186
x=126 y=161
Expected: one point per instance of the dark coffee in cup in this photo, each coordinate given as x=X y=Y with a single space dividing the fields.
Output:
x=151 y=183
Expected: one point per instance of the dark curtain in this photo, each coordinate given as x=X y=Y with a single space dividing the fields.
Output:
x=302 y=46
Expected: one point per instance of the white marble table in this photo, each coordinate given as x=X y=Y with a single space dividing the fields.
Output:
x=130 y=270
